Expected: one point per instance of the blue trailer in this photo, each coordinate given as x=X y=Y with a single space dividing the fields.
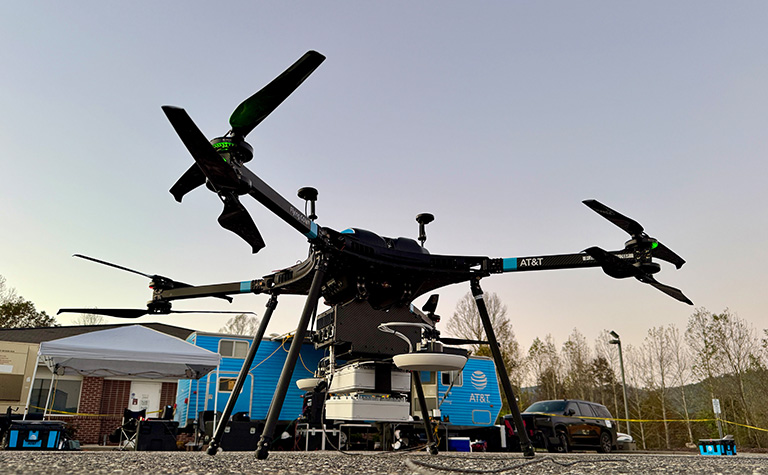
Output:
x=462 y=401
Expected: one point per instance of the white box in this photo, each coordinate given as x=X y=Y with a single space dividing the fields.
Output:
x=355 y=377
x=367 y=407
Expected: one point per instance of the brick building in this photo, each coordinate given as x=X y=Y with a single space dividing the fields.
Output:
x=92 y=406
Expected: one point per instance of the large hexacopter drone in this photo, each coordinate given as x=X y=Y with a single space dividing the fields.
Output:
x=377 y=276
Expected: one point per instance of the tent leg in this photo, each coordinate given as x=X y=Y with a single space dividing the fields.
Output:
x=213 y=447
x=50 y=389
x=197 y=409
x=262 y=450
x=31 y=386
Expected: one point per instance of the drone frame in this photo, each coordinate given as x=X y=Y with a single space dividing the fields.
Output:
x=356 y=264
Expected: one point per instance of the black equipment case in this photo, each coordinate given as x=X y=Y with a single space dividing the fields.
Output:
x=35 y=435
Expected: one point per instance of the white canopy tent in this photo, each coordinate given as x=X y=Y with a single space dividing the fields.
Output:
x=134 y=351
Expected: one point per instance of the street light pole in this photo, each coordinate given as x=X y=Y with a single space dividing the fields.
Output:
x=617 y=341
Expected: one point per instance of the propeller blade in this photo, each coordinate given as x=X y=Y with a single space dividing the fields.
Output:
x=136 y=312
x=635 y=230
x=671 y=291
x=155 y=278
x=210 y=311
x=618 y=268
x=220 y=174
x=236 y=219
x=110 y=312
x=461 y=341
x=256 y=108
x=113 y=265
x=666 y=254
x=190 y=180
x=627 y=224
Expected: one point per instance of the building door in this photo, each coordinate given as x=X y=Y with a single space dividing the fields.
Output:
x=145 y=395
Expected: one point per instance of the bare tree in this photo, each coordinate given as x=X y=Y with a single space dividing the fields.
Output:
x=740 y=349
x=610 y=353
x=658 y=349
x=466 y=323
x=241 y=325
x=576 y=358
x=89 y=319
x=636 y=370
x=544 y=361
x=702 y=341
x=7 y=294
x=682 y=372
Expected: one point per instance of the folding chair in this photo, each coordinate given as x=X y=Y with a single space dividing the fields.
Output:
x=167 y=414
x=129 y=428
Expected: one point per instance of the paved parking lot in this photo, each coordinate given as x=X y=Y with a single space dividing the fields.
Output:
x=418 y=463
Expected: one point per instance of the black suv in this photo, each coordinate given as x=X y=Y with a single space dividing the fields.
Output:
x=566 y=424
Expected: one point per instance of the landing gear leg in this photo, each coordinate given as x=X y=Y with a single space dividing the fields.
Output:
x=213 y=447
x=525 y=442
x=431 y=444
x=262 y=449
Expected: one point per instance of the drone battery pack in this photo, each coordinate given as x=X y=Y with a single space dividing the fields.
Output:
x=367 y=407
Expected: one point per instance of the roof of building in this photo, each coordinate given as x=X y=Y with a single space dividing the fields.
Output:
x=41 y=334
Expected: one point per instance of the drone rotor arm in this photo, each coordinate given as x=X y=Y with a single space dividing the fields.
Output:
x=275 y=202
x=533 y=263
x=214 y=290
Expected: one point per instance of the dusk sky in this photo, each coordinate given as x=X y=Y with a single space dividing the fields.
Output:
x=498 y=117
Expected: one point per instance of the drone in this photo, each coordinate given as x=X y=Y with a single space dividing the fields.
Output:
x=364 y=277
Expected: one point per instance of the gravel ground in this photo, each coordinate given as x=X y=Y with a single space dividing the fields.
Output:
x=330 y=463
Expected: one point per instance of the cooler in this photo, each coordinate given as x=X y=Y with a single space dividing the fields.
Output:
x=35 y=435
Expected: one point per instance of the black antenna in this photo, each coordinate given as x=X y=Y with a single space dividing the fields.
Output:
x=309 y=194
x=423 y=219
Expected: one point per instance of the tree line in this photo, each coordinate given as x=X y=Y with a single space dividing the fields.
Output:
x=671 y=377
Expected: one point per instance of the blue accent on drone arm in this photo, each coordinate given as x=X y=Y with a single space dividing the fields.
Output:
x=509 y=264
x=312 y=233
x=245 y=286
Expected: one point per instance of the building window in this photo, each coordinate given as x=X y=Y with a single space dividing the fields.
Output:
x=455 y=377
x=233 y=348
x=11 y=387
x=64 y=398
x=226 y=385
